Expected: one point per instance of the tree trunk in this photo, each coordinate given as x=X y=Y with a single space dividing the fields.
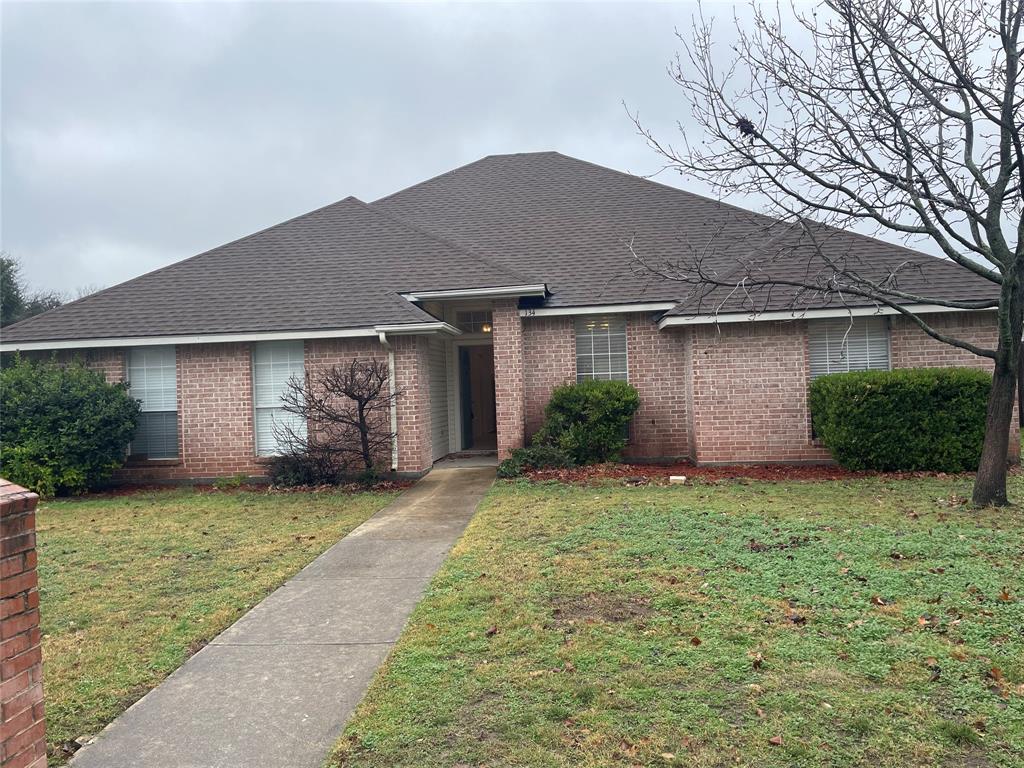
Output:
x=990 y=483
x=364 y=438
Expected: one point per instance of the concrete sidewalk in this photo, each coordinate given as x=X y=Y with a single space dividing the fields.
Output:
x=276 y=688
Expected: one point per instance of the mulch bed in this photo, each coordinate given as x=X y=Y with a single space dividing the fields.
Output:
x=658 y=474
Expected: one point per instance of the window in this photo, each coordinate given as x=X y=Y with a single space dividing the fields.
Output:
x=274 y=363
x=839 y=345
x=153 y=380
x=477 y=321
x=601 y=348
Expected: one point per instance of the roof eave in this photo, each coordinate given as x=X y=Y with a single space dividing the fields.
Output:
x=500 y=291
x=225 y=338
x=807 y=314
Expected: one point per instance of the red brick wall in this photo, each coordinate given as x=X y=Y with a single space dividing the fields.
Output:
x=913 y=348
x=549 y=360
x=412 y=373
x=658 y=369
x=22 y=718
x=750 y=393
x=507 y=331
x=215 y=413
x=737 y=392
x=216 y=434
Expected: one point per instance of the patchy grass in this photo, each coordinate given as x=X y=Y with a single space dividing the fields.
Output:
x=130 y=586
x=868 y=622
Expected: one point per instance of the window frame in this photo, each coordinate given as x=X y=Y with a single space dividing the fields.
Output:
x=256 y=408
x=851 y=323
x=486 y=318
x=131 y=454
x=611 y=375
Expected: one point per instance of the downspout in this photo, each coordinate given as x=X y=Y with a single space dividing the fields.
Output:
x=394 y=401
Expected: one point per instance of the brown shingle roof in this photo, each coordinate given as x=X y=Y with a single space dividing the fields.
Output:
x=341 y=266
x=570 y=222
x=502 y=220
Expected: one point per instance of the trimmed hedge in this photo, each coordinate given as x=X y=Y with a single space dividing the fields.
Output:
x=588 y=420
x=915 y=419
x=65 y=429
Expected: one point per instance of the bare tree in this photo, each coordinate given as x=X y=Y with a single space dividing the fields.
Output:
x=340 y=418
x=904 y=115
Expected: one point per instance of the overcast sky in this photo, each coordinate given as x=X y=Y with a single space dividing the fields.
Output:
x=137 y=134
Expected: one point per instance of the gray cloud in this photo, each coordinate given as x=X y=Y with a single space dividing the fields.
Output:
x=138 y=134
x=135 y=135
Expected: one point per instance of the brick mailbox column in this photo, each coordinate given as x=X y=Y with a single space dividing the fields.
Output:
x=22 y=724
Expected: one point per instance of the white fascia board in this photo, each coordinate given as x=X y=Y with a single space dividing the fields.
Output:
x=539 y=289
x=408 y=328
x=223 y=338
x=808 y=314
x=598 y=309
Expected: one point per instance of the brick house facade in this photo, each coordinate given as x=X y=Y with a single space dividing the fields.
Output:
x=731 y=393
x=491 y=285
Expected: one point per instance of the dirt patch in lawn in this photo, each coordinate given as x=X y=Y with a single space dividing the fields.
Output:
x=599 y=607
x=658 y=474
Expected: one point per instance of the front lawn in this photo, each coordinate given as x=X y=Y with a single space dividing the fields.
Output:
x=130 y=586
x=868 y=622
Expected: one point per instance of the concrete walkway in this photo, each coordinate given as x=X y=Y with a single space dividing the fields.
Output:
x=276 y=688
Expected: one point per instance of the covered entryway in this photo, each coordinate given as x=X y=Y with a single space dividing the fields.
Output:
x=478 y=413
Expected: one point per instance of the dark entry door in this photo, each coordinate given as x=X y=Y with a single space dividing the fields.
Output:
x=477 y=398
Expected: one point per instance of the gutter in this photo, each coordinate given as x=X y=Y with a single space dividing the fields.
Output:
x=536 y=289
x=382 y=335
x=221 y=338
x=807 y=314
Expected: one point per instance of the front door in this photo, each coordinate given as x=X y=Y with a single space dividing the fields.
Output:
x=476 y=392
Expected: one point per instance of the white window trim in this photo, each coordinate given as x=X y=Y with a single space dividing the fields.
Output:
x=888 y=350
x=126 y=362
x=576 y=353
x=256 y=408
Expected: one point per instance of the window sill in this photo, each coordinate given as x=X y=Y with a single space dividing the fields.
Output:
x=152 y=463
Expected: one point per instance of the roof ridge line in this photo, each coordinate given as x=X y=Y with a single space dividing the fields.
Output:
x=449 y=172
x=774 y=219
x=446 y=240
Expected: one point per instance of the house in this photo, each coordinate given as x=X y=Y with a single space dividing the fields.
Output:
x=484 y=288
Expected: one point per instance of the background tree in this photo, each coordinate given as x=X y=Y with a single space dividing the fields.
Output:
x=903 y=115
x=340 y=420
x=17 y=300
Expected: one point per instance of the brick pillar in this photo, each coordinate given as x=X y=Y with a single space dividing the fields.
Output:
x=413 y=380
x=22 y=723
x=507 y=331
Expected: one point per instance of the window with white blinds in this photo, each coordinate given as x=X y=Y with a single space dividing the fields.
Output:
x=274 y=363
x=842 y=344
x=153 y=380
x=601 y=348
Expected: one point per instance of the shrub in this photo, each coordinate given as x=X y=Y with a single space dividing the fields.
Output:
x=913 y=419
x=304 y=467
x=65 y=429
x=535 y=457
x=295 y=469
x=588 y=420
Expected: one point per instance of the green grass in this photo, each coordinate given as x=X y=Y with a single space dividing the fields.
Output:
x=131 y=586
x=860 y=622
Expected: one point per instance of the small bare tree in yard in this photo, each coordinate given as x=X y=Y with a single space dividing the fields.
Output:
x=903 y=115
x=340 y=418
